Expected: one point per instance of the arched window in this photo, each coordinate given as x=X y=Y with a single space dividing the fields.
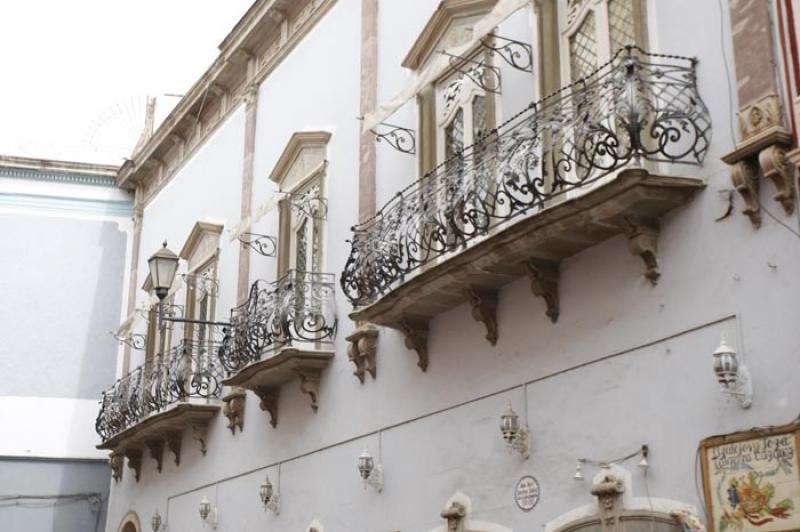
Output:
x=130 y=523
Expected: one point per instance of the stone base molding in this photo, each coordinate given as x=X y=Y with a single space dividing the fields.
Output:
x=362 y=349
x=233 y=409
x=765 y=154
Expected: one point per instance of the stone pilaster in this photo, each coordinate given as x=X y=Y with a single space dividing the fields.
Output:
x=251 y=112
x=369 y=99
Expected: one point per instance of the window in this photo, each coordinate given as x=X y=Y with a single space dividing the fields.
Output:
x=201 y=253
x=300 y=177
x=593 y=30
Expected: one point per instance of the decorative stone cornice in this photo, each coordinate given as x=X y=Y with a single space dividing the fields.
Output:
x=248 y=54
x=58 y=171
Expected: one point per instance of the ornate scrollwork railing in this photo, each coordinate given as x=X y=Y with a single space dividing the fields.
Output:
x=638 y=106
x=188 y=370
x=297 y=308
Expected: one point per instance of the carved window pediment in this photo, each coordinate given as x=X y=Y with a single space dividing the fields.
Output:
x=449 y=26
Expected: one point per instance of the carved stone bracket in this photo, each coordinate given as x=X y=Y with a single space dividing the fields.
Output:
x=116 y=461
x=773 y=163
x=484 y=309
x=200 y=433
x=764 y=152
x=309 y=384
x=135 y=461
x=269 y=402
x=156 y=452
x=642 y=235
x=174 y=446
x=454 y=514
x=608 y=492
x=362 y=349
x=745 y=180
x=543 y=275
x=416 y=338
x=234 y=409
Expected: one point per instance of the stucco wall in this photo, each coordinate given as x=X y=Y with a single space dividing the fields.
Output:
x=626 y=364
x=61 y=284
x=42 y=478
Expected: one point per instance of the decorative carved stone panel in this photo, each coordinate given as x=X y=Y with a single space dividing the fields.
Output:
x=116 y=461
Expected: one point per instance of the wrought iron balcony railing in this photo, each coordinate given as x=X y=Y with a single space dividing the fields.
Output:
x=637 y=107
x=299 y=307
x=188 y=370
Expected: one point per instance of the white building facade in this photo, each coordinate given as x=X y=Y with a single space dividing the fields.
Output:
x=397 y=220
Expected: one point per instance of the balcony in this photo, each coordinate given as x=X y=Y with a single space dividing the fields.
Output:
x=284 y=331
x=152 y=405
x=593 y=160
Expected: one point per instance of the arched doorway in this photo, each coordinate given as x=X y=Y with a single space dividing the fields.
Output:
x=130 y=523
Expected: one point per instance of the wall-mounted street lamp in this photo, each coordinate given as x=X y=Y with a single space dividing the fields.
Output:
x=155 y=522
x=163 y=266
x=732 y=375
x=515 y=435
x=371 y=474
x=269 y=498
x=208 y=514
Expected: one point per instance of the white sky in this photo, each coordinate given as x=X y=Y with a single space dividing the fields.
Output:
x=76 y=72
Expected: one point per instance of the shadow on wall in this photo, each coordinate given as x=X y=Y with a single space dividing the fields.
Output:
x=98 y=361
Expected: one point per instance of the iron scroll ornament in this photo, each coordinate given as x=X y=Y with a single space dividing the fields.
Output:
x=297 y=308
x=638 y=106
x=188 y=370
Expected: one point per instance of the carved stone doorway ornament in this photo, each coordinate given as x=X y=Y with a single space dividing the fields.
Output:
x=615 y=509
x=456 y=514
x=315 y=526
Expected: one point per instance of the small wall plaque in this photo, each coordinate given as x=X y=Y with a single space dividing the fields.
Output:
x=526 y=494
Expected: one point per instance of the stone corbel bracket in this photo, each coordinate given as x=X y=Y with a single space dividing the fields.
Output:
x=543 y=275
x=174 y=446
x=200 y=434
x=484 y=309
x=309 y=384
x=116 y=461
x=763 y=153
x=156 y=448
x=269 y=402
x=642 y=235
x=234 y=409
x=416 y=338
x=135 y=461
x=362 y=350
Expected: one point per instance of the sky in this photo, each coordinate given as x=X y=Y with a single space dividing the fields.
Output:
x=76 y=73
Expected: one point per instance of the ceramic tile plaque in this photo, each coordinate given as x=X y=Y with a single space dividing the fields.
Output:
x=752 y=480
